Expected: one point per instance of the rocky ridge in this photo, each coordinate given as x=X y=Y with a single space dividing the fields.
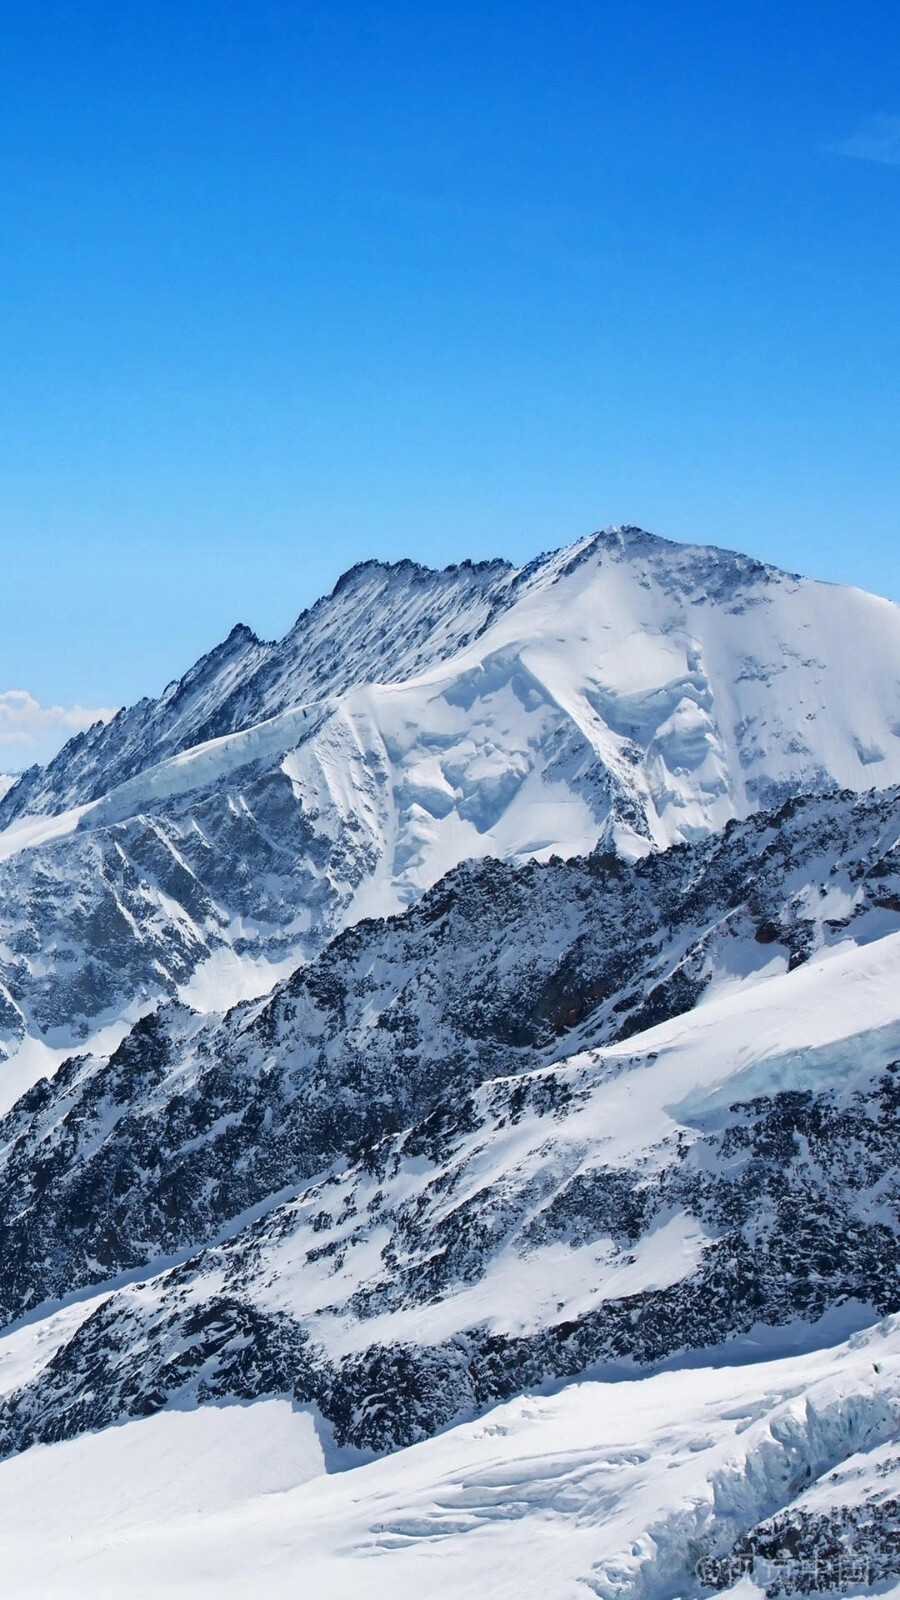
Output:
x=471 y=1033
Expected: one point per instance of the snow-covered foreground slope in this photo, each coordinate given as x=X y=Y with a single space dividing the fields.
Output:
x=625 y=691
x=665 y=1486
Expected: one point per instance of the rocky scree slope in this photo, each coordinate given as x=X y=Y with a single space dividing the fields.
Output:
x=777 y=1216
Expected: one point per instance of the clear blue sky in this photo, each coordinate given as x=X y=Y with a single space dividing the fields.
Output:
x=284 y=285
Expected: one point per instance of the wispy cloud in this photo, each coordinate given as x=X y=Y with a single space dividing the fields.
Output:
x=876 y=139
x=31 y=732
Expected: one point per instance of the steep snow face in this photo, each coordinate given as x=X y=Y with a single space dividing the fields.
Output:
x=666 y=687
x=700 y=682
x=626 y=691
x=380 y=623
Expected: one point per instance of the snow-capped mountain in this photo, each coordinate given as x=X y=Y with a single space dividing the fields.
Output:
x=624 y=692
x=488 y=1016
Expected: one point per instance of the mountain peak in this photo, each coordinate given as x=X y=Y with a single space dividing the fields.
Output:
x=390 y=622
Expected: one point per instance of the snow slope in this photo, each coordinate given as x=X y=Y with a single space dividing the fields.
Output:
x=615 y=1490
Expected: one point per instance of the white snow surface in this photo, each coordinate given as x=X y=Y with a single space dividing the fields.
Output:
x=602 y=1489
x=29 y=832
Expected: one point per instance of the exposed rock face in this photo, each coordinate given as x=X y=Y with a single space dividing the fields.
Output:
x=803 y=1552
x=787 y=1206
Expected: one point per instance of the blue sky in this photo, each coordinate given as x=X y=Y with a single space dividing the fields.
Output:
x=287 y=285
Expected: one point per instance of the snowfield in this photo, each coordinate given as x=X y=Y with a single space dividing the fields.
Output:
x=616 y=1490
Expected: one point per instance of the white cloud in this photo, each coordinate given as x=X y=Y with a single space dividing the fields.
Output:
x=30 y=732
x=877 y=139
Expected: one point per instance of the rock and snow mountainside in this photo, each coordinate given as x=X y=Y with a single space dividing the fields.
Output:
x=624 y=692
x=500 y=971
x=534 y=1233
x=554 y=1125
x=381 y=624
